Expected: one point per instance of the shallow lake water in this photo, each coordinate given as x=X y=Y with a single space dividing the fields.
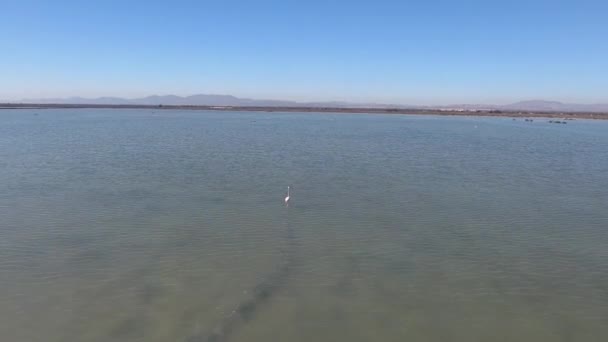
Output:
x=159 y=225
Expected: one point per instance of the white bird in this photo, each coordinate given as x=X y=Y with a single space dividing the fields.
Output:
x=287 y=198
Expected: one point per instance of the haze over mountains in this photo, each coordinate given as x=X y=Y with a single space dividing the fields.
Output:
x=229 y=100
x=202 y=100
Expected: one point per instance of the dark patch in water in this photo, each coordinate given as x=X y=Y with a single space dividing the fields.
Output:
x=217 y=200
x=150 y=292
x=136 y=325
x=195 y=338
x=127 y=328
x=345 y=286
x=154 y=207
x=262 y=293
x=183 y=243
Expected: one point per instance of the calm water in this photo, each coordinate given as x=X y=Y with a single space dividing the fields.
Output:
x=135 y=225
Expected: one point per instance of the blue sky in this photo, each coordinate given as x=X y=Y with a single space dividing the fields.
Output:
x=417 y=52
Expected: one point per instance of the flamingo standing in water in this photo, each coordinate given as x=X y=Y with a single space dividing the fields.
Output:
x=287 y=198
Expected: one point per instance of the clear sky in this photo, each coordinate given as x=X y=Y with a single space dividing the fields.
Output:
x=397 y=51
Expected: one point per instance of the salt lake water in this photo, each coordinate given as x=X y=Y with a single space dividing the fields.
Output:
x=161 y=225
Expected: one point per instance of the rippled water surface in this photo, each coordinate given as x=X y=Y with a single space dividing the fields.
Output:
x=139 y=225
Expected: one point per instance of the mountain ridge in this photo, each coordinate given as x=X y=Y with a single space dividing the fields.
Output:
x=230 y=100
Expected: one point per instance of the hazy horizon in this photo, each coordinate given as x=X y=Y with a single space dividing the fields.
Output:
x=302 y=99
x=83 y=99
x=414 y=53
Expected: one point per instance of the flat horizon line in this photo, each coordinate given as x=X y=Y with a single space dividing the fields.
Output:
x=234 y=101
x=345 y=110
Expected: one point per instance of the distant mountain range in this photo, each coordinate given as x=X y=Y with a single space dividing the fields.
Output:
x=229 y=100
x=202 y=100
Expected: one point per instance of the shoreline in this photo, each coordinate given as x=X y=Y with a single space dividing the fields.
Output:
x=398 y=111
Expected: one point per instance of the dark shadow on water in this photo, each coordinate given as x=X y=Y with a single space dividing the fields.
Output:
x=135 y=326
x=261 y=294
x=131 y=327
x=150 y=292
x=345 y=284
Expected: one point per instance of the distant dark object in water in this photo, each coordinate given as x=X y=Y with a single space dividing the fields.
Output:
x=35 y=114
